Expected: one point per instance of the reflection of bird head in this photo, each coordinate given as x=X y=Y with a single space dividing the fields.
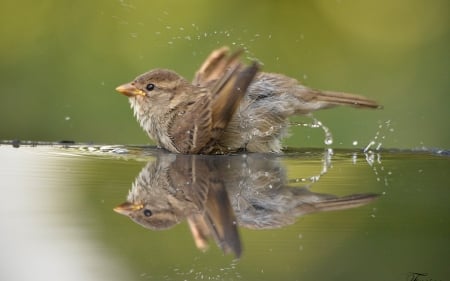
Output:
x=143 y=215
x=153 y=201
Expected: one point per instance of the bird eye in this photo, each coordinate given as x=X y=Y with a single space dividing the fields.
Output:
x=150 y=87
x=147 y=213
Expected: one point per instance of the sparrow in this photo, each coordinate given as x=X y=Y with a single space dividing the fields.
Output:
x=228 y=107
x=184 y=187
x=216 y=194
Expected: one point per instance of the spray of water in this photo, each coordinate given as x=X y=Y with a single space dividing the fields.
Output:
x=326 y=164
x=328 y=139
x=372 y=152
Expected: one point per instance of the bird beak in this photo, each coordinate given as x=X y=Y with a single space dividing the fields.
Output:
x=127 y=207
x=130 y=90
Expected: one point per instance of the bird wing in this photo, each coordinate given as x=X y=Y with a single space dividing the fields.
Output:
x=217 y=219
x=227 y=94
x=190 y=126
x=220 y=218
x=198 y=123
x=221 y=82
x=215 y=66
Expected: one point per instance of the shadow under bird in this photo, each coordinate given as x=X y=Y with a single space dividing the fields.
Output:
x=216 y=194
x=228 y=107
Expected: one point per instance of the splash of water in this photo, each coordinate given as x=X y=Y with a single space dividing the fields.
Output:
x=373 y=155
x=326 y=164
x=380 y=136
x=328 y=140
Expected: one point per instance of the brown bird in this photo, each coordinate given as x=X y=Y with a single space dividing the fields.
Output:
x=216 y=194
x=178 y=187
x=227 y=107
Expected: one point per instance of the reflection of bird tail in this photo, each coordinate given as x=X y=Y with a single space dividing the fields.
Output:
x=341 y=203
x=346 y=202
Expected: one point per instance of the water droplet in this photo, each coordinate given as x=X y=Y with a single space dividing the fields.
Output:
x=328 y=136
x=368 y=146
x=354 y=158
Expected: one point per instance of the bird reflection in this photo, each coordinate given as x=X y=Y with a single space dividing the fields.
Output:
x=215 y=194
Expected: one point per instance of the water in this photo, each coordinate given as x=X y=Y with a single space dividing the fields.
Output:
x=58 y=220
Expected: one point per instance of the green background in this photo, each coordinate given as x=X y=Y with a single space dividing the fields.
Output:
x=61 y=60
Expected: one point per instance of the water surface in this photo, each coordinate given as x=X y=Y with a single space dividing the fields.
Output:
x=58 y=220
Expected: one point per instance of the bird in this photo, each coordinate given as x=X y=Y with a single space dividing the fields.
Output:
x=216 y=194
x=177 y=187
x=228 y=107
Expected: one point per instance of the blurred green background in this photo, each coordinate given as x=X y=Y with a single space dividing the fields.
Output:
x=61 y=60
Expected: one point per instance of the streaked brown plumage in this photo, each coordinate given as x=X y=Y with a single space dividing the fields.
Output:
x=216 y=194
x=227 y=107
x=178 y=187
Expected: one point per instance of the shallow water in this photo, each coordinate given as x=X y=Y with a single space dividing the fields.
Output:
x=58 y=220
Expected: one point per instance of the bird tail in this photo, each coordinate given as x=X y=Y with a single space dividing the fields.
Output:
x=327 y=99
x=339 y=98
